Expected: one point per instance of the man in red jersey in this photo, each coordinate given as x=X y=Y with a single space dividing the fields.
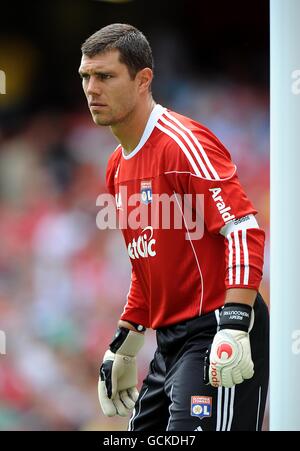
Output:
x=210 y=369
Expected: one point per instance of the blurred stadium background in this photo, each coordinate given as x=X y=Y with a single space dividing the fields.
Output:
x=63 y=283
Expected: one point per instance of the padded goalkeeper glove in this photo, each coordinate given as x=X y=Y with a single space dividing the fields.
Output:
x=118 y=373
x=230 y=355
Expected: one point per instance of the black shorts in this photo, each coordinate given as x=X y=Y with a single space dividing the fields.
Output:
x=174 y=397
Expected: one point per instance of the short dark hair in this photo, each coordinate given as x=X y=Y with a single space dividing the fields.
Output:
x=135 y=50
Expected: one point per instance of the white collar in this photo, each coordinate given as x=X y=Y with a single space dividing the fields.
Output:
x=153 y=118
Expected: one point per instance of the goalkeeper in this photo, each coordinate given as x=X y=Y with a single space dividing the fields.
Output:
x=200 y=294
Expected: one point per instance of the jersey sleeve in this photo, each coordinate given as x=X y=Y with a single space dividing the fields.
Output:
x=110 y=172
x=229 y=212
x=136 y=307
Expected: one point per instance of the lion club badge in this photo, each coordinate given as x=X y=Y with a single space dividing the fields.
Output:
x=146 y=191
x=201 y=406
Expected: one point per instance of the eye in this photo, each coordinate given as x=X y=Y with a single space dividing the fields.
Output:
x=84 y=76
x=104 y=76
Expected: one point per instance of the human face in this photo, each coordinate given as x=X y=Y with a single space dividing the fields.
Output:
x=110 y=91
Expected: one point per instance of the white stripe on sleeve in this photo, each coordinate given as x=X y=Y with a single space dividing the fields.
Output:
x=237 y=257
x=246 y=257
x=230 y=258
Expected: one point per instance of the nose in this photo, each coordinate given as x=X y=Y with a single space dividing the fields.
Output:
x=93 y=86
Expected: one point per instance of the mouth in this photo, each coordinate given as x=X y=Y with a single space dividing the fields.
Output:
x=96 y=105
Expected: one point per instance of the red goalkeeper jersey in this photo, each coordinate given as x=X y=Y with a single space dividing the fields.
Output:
x=174 y=275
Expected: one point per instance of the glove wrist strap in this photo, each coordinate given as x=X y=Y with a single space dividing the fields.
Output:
x=235 y=316
x=126 y=342
x=138 y=327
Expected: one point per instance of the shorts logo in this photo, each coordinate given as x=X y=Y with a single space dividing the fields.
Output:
x=201 y=406
x=146 y=191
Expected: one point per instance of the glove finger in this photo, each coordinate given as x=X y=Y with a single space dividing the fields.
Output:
x=114 y=382
x=227 y=379
x=249 y=373
x=133 y=393
x=121 y=409
x=106 y=404
x=127 y=401
x=237 y=376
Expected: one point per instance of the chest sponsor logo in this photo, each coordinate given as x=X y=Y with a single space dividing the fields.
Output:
x=146 y=192
x=223 y=209
x=143 y=247
x=201 y=406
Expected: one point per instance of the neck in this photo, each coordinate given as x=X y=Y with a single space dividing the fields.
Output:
x=130 y=131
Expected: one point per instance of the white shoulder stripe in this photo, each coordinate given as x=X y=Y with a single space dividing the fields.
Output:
x=198 y=144
x=181 y=145
x=190 y=144
x=184 y=149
